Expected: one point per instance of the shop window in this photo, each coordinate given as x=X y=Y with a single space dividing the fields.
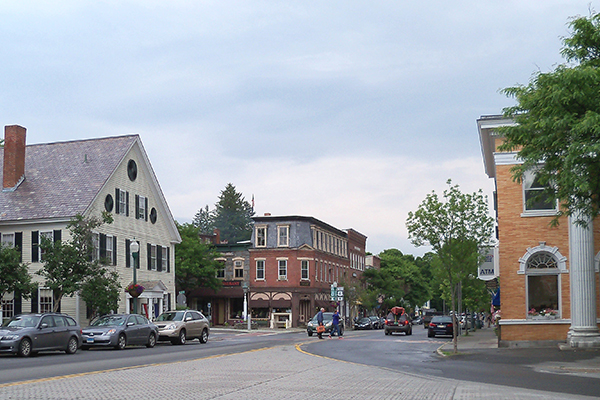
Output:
x=543 y=277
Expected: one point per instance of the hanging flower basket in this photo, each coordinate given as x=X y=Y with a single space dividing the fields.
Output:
x=134 y=290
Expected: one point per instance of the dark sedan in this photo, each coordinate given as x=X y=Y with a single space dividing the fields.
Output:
x=364 y=323
x=376 y=322
x=119 y=331
x=440 y=326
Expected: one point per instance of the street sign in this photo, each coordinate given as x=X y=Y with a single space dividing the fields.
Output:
x=333 y=293
x=340 y=293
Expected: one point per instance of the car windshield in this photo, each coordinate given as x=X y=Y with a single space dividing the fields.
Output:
x=363 y=320
x=24 y=321
x=171 y=316
x=110 y=320
x=443 y=320
x=326 y=316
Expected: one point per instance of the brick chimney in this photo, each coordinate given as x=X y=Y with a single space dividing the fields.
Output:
x=14 y=156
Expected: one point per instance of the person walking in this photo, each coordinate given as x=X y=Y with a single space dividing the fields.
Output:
x=320 y=327
x=335 y=325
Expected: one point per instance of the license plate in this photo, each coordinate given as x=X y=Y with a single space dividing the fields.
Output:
x=90 y=340
x=441 y=326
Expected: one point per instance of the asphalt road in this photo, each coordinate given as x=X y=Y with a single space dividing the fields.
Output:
x=414 y=354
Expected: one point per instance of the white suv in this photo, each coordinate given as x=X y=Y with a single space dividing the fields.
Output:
x=180 y=326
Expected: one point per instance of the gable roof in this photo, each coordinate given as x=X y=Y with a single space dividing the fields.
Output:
x=62 y=179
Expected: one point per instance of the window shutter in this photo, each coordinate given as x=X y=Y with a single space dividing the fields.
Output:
x=146 y=210
x=35 y=248
x=127 y=254
x=149 y=255
x=127 y=204
x=102 y=246
x=57 y=236
x=34 y=301
x=137 y=206
x=117 y=200
x=19 y=244
x=18 y=303
x=159 y=258
x=114 y=260
x=168 y=260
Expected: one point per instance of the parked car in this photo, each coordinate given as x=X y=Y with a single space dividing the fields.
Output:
x=398 y=321
x=375 y=321
x=418 y=320
x=180 y=326
x=427 y=315
x=119 y=331
x=311 y=327
x=363 y=323
x=26 y=334
x=440 y=326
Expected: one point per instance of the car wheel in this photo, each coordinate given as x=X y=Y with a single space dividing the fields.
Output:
x=309 y=333
x=72 y=346
x=151 y=341
x=341 y=331
x=121 y=342
x=182 y=337
x=430 y=334
x=204 y=337
x=25 y=348
x=409 y=332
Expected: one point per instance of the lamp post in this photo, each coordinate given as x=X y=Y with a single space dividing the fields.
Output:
x=135 y=248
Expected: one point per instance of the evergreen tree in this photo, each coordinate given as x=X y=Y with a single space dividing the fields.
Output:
x=204 y=221
x=233 y=216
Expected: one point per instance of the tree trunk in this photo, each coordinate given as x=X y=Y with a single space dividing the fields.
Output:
x=454 y=320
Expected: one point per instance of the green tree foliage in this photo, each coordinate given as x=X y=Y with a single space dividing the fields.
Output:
x=455 y=227
x=233 y=216
x=381 y=285
x=557 y=128
x=404 y=268
x=102 y=292
x=68 y=265
x=203 y=220
x=14 y=276
x=196 y=262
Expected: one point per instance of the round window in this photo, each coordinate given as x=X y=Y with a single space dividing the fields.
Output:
x=132 y=170
x=109 y=203
x=153 y=215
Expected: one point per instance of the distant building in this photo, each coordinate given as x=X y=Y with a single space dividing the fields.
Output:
x=46 y=185
x=548 y=294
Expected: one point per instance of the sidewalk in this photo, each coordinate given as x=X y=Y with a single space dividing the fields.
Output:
x=484 y=338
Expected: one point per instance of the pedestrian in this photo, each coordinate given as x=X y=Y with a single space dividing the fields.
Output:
x=320 y=327
x=335 y=325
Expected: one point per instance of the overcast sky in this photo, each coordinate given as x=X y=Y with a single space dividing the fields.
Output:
x=347 y=111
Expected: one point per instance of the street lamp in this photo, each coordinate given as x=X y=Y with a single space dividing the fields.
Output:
x=135 y=248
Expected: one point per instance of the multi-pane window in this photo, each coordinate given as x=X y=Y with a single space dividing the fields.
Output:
x=109 y=249
x=8 y=307
x=283 y=232
x=47 y=235
x=535 y=198
x=542 y=286
x=261 y=236
x=163 y=260
x=141 y=207
x=8 y=239
x=153 y=257
x=238 y=269
x=260 y=269
x=221 y=270
x=282 y=270
x=45 y=300
x=122 y=201
x=95 y=246
x=304 y=270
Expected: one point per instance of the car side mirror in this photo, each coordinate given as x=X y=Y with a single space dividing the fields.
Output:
x=188 y=318
x=130 y=324
x=43 y=326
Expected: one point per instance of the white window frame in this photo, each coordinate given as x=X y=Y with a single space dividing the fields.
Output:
x=8 y=305
x=221 y=271
x=283 y=240
x=539 y=272
x=304 y=270
x=164 y=259
x=238 y=265
x=6 y=242
x=260 y=267
x=141 y=207
x=45 y=293
x=122 y=202
x=152 y=257
x=259 y=236
x=282 y=266
x=48 y=235
x=109 y=249
x=95 y=246
x=528 y=180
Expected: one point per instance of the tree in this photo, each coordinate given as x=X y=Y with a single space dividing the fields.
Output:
x=381 y=285
x=203 y=220
x=404 y=268
x=102 y=292
x=233 y=216
x=455 y=227
x=14 y=276
x=68 y=265
x=196 y=262
x=557 y=130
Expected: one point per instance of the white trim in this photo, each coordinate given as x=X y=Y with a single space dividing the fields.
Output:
x=507 y=158
x=535 y=321
x=561 y=260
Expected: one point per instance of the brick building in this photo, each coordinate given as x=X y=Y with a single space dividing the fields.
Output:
x=549 y=290
x=294 y=260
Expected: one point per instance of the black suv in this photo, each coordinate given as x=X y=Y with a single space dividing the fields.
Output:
x=25 y=334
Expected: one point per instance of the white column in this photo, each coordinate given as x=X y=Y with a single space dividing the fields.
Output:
x=584 y=329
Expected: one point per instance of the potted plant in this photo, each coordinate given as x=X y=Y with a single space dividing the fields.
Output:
x=134 y=289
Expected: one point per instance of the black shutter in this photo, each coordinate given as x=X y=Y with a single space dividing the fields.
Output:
x=117 y=200
x=168 y=260
x=168 y=301
x=19 y=244
x=159 y=258
x=146 y=209
x=102 y=246
x=34 y=301
x=114 y=260
x=137 y=206
x=35 y=247
x=127 y=253
x=149 y=256
x=127 y=204
x=18 y=303
x=57 y=235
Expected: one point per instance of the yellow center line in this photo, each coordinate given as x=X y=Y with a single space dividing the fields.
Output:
x=55 y=378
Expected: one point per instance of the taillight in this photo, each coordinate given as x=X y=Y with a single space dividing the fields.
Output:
x=387 y=322
x=431 y=324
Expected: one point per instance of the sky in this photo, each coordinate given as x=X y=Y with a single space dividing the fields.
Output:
x=347 y=111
